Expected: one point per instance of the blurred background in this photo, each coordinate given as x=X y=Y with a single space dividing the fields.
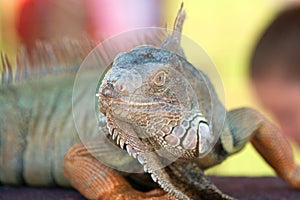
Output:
x=227 y=30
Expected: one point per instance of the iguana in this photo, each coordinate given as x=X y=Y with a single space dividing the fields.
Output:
x=164 y=109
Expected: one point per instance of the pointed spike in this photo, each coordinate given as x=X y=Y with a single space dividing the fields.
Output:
x=179 y=19
x=118 y=139
x=122 y=142
x=44 y=58
x=145 y=168
x=114 y=135
x=134 y=153
x=172 y=43
x=128 y=149
x=153 y=177
x=140 y=159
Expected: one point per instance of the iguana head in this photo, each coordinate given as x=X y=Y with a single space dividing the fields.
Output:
x=145 y=97
x=150 y=105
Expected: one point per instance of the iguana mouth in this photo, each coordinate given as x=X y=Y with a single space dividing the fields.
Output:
x=127 y=102
x=116 y=105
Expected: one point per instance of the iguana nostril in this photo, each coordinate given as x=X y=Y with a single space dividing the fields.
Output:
x=108 y=90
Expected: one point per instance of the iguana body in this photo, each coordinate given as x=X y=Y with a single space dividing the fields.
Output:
x=37 y=131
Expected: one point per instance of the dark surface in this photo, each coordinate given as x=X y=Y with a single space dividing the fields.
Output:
x=24 y=193
x=263 y=188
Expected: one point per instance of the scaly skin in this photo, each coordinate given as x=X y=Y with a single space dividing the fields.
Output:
x=37 y=130
x=159 y=111
x=105 y=183
x=36 y=124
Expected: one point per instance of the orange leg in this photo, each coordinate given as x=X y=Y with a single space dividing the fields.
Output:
x=97 y=181
x=276 y=150
x=247 y=124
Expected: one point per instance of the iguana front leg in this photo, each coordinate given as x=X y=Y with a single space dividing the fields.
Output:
x=247 y=124
x=97 y=181
x=186 y=180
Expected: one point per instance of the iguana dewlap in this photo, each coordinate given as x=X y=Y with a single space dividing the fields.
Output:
x=163 y=108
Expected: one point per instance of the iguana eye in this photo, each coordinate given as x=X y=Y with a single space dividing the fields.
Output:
x=160 y=78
